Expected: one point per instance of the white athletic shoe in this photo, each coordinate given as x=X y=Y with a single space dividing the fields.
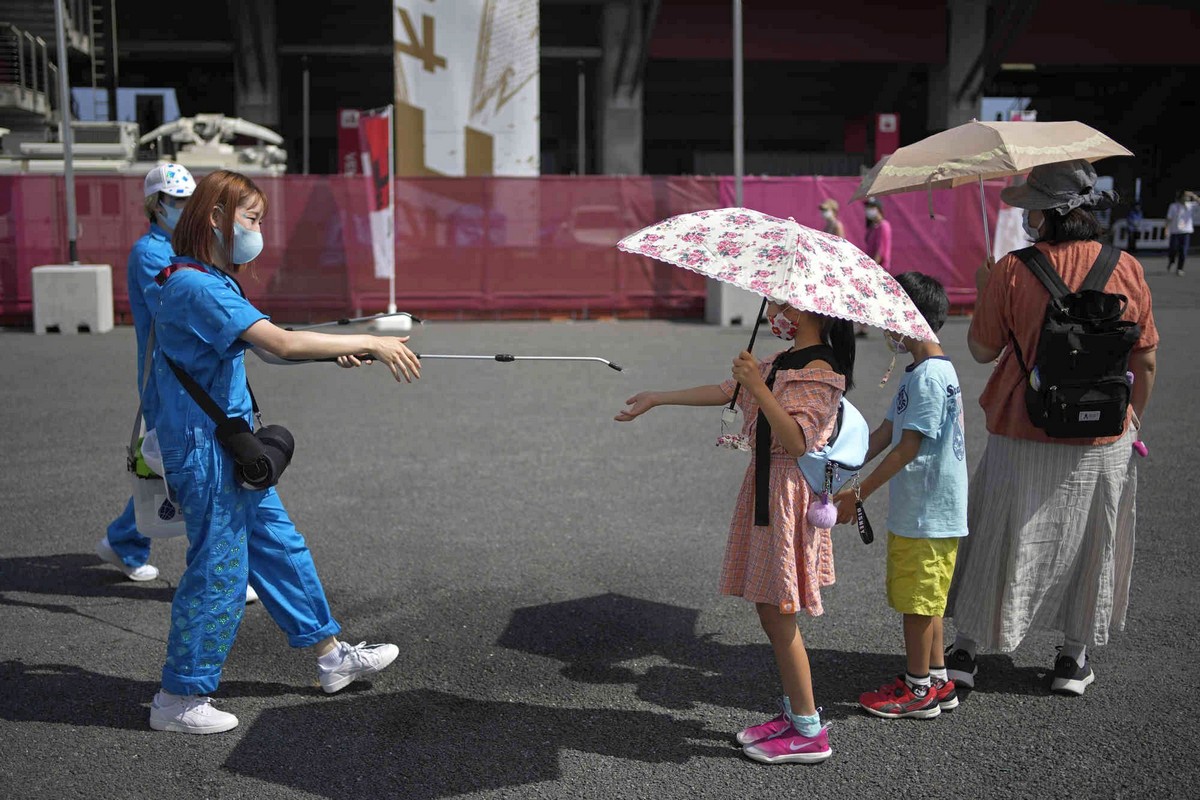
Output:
x=251 y=595
x=191 y=713
x=357 y=662
x=145 y=572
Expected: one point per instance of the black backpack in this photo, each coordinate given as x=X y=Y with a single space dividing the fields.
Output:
x=1078 y=385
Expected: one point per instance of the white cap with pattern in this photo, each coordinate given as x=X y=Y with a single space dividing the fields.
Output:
x=174 y=179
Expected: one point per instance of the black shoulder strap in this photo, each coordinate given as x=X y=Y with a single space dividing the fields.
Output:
x=202 y=398
x=799 y=359
x=1102 y=270
x=1044 y=271
x=788 y=359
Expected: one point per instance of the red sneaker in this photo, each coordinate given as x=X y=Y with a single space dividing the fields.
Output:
x=946 y=694
x=896 y=700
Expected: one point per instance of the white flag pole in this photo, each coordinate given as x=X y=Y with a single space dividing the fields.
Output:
x=399 y=322
x=391 y=226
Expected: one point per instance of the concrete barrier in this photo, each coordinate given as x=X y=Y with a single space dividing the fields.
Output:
x=72 y=298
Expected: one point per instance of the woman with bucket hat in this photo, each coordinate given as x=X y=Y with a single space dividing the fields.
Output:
x=1051 y=519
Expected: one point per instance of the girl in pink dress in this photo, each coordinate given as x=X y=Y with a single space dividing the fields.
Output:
x=775 y=558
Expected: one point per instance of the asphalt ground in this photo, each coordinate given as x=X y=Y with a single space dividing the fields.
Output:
x=550 y=578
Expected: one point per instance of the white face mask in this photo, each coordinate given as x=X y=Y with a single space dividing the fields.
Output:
x=872 y=214
x=827 y=214
x=1030 y=231
x=783 y=327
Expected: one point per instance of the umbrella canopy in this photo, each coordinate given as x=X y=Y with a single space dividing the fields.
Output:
x=783 y=260
x=978 y=151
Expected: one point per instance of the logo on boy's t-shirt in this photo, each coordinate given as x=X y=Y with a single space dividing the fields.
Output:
x=902 y=400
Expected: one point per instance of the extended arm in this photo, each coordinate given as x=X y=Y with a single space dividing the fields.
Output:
x=903 y=453
x=293 y=345
x=880 y=438
x=640 y=403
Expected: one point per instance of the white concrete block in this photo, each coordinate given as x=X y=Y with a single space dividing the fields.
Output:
x=74 y=298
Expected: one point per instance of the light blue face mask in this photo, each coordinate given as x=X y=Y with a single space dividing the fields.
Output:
x=1030 y=231
x=169 y=216
x=247 y=244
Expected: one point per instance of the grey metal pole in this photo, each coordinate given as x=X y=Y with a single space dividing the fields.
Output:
x=739 y=144
x=64 y=116
x=305 y=112
x=581 y=121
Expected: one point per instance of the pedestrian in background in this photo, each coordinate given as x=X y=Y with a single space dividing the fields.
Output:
x=1179 y=229
x=878 y=243
x=833 y=225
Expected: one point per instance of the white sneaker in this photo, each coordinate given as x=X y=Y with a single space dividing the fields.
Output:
x=190 y=713
x=145 y=572
x=357 y=662
x=251 y=595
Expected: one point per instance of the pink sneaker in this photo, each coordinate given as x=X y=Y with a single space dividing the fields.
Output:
x=757 y=733
x=790 y=747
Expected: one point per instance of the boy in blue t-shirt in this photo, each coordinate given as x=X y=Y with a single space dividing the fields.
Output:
x=926 y=471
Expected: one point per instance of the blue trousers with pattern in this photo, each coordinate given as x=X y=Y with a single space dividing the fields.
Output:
x=124 y=539
x=235 y=536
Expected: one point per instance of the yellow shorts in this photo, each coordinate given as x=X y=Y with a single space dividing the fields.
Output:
x=919 y=572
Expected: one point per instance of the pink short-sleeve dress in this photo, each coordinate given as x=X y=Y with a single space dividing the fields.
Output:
x=786 y=563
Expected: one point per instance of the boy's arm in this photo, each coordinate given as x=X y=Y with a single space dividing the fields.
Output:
x=880 y=438
x=899 y=457
x=903 y=453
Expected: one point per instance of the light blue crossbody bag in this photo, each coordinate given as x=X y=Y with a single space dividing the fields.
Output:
x=839 y=462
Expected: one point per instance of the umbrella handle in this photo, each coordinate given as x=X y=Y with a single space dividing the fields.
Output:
x=749 y=349
x=987 y=234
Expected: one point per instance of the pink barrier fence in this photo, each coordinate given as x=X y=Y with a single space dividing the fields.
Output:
x=950 y=246
x=469 y=247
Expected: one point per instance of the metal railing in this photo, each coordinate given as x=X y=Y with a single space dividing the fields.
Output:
x=26 y=65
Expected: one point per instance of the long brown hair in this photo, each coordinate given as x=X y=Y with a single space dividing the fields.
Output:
x=194 y=235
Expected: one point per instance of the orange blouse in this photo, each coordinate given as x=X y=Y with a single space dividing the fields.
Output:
x=1014 y=302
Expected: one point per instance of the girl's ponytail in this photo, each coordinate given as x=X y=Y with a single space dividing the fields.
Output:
x=839 y=333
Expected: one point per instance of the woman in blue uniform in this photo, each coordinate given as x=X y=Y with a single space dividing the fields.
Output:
x=204 y=325
x=166 y=188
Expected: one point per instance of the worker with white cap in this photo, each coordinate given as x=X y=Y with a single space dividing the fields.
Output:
x=166 y=188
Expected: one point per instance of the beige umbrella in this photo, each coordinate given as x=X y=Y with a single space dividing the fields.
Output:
x=979 y=151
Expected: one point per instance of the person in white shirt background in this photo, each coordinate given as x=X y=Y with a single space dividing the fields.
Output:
x=1179 y=228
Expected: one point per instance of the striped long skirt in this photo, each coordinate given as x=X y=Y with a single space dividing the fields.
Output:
x=1050 y=545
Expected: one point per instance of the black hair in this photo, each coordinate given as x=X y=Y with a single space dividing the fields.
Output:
x=928 y=295
x=839 y=334
x=1077 y=225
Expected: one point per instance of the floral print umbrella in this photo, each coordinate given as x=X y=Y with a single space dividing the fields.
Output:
x=785 y=261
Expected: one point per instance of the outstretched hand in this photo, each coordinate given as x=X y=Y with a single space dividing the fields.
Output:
x=392 y=351
x=639 y=404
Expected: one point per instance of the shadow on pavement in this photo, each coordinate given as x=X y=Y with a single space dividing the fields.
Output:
x=75 y=575
x=68 y=695
x=612 y=638
x=427 y=744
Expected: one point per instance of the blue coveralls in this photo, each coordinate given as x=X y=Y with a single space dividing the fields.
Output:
x=234 y=534
x=150 y=254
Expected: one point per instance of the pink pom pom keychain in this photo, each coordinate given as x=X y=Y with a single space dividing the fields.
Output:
x=823 y=513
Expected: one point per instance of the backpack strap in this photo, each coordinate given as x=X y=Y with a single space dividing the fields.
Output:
x=1102 y=270
x=788 y=359
x=1045 y=272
